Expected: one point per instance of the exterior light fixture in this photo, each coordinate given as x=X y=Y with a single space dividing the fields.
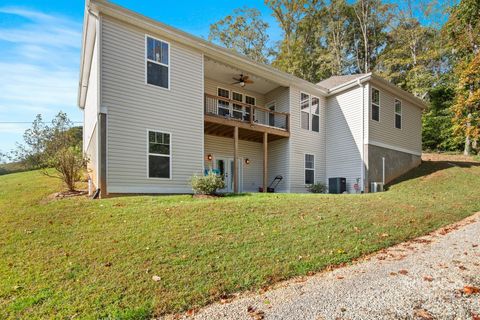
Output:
x=247 y=161
x=242 y=84
x=209 y=157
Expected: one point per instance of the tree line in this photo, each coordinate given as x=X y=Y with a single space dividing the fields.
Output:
x=411 y=44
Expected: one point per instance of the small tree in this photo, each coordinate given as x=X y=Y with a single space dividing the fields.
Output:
x=69 y=163
x=56 y=146
x=208 y=184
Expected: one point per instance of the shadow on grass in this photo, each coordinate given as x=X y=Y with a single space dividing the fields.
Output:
x=430 y=167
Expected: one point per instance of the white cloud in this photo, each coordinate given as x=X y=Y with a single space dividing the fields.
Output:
x=39 y=57
x=17 y=128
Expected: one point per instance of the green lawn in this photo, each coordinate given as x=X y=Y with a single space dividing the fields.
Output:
x=92 y=259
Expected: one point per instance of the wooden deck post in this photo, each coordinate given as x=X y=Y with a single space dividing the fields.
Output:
x=235 y=160
x=265 y=161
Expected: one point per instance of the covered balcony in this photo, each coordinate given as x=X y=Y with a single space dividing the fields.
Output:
x=240 y=105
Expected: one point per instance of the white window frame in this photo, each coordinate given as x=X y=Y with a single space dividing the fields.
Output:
x=250 y=96
x=252 y=109
x=230 y=107
x=372 y=104
x=314 y=114
x=308 y=112
x=242 y=110
x=159 y=155
x=169 y=66
x=273 y=104
x=305 y=168
x=395 y=113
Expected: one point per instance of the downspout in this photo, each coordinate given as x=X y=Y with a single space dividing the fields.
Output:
x=362 y=151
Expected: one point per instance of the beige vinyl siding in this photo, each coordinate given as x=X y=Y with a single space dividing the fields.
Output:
x=344 y=136
x=220 y=147
x=409 y=137
x=134 y=107
x=305 y=141
x=278 y=150
x=90 y=114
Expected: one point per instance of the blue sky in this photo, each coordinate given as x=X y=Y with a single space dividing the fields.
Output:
x=40 y=52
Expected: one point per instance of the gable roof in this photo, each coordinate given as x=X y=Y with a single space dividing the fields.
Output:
x=337 y=84
x=334 y=81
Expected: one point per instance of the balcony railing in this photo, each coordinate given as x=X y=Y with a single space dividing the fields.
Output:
x=239 y=111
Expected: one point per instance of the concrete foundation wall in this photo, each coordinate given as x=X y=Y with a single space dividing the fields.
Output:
x=396 y=163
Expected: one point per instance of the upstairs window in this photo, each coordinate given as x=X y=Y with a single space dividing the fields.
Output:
x=310 y=112
x=158 y=62
x=159 y=155
x=398 y=114
x=375 y=104
x=309 y=169
x=315 y=114
x=305 y=108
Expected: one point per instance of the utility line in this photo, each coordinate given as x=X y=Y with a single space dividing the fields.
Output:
x=29 y=122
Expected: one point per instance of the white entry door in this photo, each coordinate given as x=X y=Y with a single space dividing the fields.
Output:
x=225 y=168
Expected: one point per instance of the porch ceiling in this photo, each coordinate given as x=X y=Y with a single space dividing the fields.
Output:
x=224 y=73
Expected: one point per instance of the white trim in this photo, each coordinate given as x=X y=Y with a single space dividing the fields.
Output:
x=395 y=114
x=156 y=62
x=388 y=146
x=159 y=155
x=314 y=114
x=309 y=112
x=385 y=84
x=98 y=27
x=305 y=168
x=362 y=152
x=229 y=97
x=372 y=103
x=240 y=168
x=233 y=110
x=250 y=96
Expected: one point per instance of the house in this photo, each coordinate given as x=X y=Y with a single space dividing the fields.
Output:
x=161 y=105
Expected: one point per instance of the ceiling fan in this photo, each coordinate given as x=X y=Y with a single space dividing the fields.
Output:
x=242 y=80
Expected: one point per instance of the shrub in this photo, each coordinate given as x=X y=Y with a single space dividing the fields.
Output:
x=208 y=184
x=318 y=188
x=69 y=163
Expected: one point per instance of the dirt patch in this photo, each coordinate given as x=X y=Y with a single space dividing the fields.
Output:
x=64 y=195
x=446 y=157
x=207 y=196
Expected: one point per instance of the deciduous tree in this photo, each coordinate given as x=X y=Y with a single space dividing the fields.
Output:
x=245 y=32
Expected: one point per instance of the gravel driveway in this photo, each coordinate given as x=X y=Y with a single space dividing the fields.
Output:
x=432 y=277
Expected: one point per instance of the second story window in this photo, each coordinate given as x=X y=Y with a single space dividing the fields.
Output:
x=158 y=62
x=398 y=114
x=310 y=112
x=315 y=114
x=305 y=108
x=375 y=104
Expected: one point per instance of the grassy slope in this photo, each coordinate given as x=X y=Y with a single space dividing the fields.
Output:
x=97 y=258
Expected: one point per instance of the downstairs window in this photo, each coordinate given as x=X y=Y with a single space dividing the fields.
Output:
x=159 y=155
